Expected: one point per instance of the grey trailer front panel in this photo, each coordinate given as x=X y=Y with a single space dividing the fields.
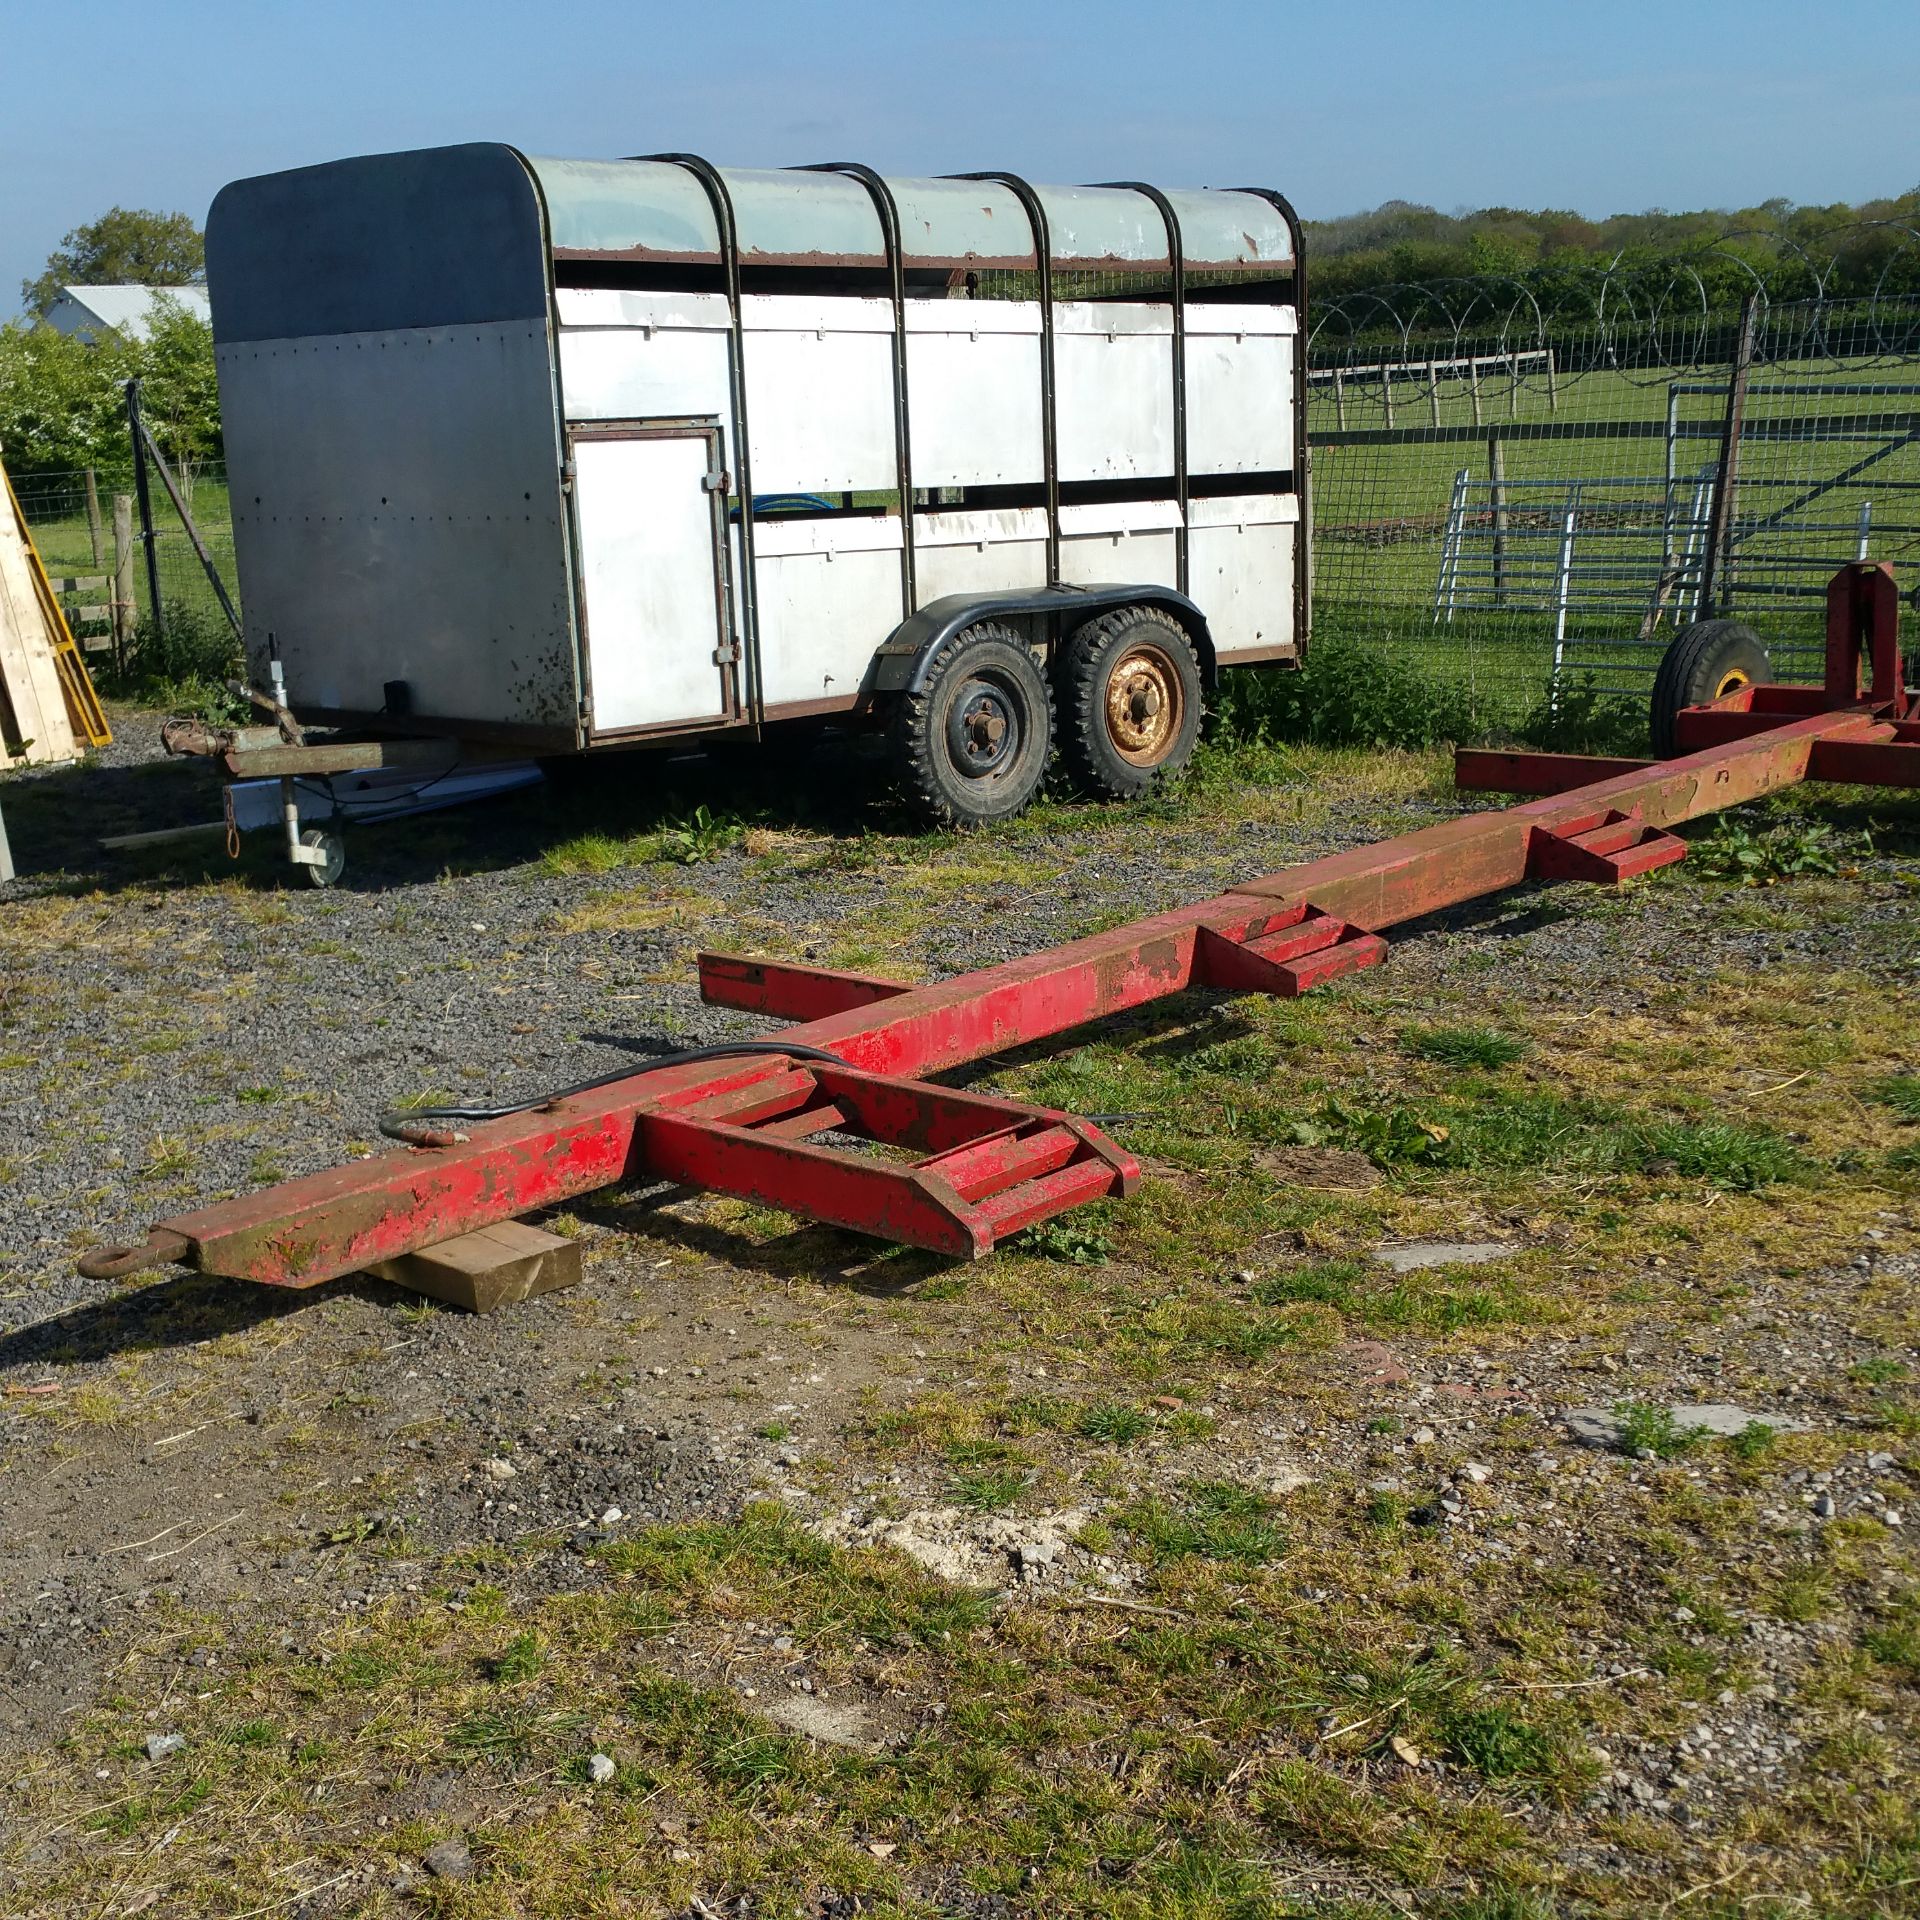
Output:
x=393 y=447
x=397 y=517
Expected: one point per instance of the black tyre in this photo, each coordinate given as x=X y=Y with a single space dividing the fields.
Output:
x=973 y=744
x=1707 y=661
x=1130 y=702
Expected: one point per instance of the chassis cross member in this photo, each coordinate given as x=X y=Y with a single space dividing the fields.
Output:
x=969 y=1170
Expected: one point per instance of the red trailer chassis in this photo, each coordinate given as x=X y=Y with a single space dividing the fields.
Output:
x=984 y=1168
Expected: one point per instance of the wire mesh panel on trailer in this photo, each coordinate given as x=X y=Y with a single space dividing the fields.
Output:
x=1523 y=502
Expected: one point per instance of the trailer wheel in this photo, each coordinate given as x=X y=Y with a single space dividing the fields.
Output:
x=334 y=851
x=972 y=743
x=1706 y=661
x=1130 y=699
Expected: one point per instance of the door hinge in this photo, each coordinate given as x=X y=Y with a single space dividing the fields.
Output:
x=716 y=482
x=725 y=655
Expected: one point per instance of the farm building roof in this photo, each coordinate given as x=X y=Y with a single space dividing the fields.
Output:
x=129 y=311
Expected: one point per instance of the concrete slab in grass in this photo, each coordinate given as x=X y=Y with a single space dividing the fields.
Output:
x=1412 y=1255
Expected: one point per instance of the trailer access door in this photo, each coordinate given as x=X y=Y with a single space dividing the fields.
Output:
x=650 y=507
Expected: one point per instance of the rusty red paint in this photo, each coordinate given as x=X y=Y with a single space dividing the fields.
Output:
x=990 y=1166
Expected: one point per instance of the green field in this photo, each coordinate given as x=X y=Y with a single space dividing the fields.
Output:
x=1381 y=507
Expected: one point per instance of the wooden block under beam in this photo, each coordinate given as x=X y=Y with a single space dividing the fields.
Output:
x=497 y=1267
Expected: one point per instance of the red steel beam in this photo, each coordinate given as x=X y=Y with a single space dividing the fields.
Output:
x=1281 y=932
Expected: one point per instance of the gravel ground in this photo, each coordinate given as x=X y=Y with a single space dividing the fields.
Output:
x=169 y=1035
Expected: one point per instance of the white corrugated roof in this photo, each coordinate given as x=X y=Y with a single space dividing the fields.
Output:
x=127 y=310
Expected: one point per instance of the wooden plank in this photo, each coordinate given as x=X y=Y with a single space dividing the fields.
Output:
x=29 y=673
x=351 y=756
x=497 y=1266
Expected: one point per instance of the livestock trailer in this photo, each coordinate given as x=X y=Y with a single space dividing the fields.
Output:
x=564 y=455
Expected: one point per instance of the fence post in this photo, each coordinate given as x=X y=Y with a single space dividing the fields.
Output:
x=1497 y=467
x=1340 y=399
x=1866 y=528
x=1563 y=595
x=1553 y=390
x=1716 y=563
x=145 y=500
x=1473 y=385
x=122 y=579
x=93 y=518
x=1433 y=391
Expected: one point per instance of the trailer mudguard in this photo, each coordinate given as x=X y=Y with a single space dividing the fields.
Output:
x=900 y=666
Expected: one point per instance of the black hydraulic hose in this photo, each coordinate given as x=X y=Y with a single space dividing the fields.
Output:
x=407 y=1124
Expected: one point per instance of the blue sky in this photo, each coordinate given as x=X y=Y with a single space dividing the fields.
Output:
x=1601 y=108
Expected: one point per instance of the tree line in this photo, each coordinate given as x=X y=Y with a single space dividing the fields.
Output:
x=1562 y=258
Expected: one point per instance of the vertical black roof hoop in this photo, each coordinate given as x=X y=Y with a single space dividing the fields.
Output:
x=722 y=203
x=1302 y=456
x=1049 y=437
x=884 y=205
x=1176 y=254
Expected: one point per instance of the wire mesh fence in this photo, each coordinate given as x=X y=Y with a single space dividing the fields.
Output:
x=1525 y=505
x=88 y=532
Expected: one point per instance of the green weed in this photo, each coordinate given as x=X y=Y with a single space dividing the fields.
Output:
x=1723 y=1153
x=1067 y=1239
x=1113 y=1423
x=1646 y=1428
x=1735 y=851
x=1394 y=1137
x=1484 y=1047
x=1215 y=1520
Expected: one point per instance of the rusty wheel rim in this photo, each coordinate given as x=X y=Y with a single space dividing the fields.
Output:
x=1731 y=682
x=1146 y=706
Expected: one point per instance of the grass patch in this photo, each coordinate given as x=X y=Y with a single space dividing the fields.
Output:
x=1497 y=1743
x=1486 y=1048
x=1211 y=1520
x=1901 y=1093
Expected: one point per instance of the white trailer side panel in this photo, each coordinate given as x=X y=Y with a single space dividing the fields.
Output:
x=973 y=389
x=1240 y=396
x=1113 y=386
x=820 y=394
x=977 y=550
x=1131 y=540
x=829 y=594
x=1240 y=556
x=643 y=356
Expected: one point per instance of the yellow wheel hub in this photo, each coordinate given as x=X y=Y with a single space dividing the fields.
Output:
x=1731 y=682
x=1146 y=706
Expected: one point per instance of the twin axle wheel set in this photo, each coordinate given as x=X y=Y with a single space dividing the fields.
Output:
x=1123 y=700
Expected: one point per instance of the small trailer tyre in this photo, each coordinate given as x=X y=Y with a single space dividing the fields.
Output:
x=333 y=852
x=971 y=743
x=1131 y=701
x=1706 y=661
